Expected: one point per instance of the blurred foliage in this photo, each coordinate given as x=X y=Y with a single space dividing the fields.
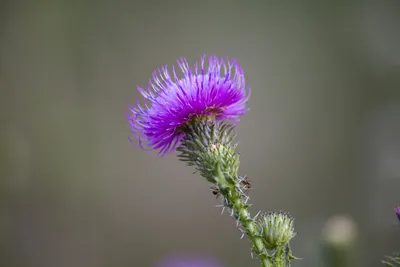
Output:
x=392 y=261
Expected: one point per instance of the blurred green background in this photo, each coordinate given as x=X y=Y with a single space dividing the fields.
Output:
x=322 y=137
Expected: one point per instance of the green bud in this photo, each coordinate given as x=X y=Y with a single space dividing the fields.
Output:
x=277 y=229
x=340 y=236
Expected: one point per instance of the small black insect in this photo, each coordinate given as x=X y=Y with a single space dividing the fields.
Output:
x=215 y=190
x=246 y=183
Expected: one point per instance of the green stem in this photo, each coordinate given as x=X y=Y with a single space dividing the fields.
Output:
x=251 y=230
x=279 y=259
x=208 y=146
x=235 y=202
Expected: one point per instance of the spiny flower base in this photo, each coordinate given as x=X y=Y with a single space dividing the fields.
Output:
x=208 y=146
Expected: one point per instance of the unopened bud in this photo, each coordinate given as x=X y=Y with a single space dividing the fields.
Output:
x=277 y=229
x=340 y=230
x=339 y=235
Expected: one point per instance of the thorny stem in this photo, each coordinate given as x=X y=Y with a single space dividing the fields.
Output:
x=207 y=145
x=279 y=258
x=236 y=203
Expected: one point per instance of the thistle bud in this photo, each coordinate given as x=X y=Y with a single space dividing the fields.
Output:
x=340 y=234
x=340 y=231
x=277 y=229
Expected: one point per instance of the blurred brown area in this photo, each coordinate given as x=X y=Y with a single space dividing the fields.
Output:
x=322 y=136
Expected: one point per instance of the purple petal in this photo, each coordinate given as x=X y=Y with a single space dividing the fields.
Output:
x=169 y=101
x=187 y=261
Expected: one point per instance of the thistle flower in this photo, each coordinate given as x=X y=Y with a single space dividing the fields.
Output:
x=172 y=103
x=340 y=230
x=189 y=114
x=393 y=261
x=339 y=239
x=186 y=261
x=397 y=210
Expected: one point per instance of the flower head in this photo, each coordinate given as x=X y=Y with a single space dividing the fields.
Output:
x=277 y=229
x=172 y=103
x=397 y=210
x=340 y=231
x=186 y=261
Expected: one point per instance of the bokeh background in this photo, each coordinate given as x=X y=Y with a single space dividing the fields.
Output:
x=322 y=137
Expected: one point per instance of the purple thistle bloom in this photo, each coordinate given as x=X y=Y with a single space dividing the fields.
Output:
x=189 y=262
x=397 y=210
x=170 y=103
